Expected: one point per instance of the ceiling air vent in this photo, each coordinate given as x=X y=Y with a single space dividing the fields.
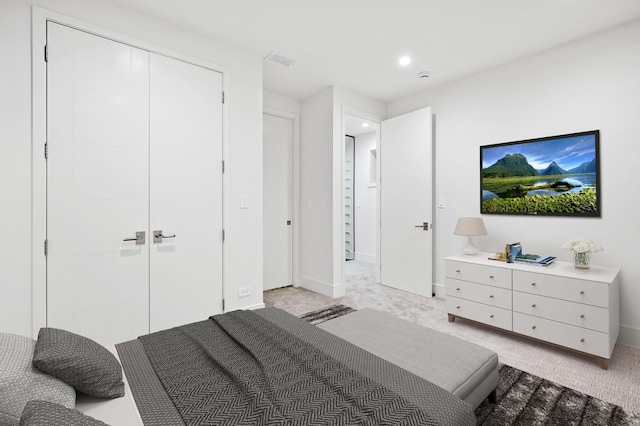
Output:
x=279 y=58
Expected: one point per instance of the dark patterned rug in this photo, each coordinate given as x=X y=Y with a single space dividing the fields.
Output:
x=527 y=400
x=325 y=314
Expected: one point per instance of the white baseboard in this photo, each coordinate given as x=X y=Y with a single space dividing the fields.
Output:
x=253 y=307
x=369 y=258
x=330 y=290
x=629 y=336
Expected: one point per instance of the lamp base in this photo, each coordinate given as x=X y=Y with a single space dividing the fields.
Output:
x=469 y=248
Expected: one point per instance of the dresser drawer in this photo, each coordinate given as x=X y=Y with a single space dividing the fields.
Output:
x=483 y=274
x=578 y=314
x=486 y=314
x=575 y=290
x=489 y=295
x=580 y=339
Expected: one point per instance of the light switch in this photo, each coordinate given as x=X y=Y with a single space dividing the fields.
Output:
x=244 y=201
x=441 y=202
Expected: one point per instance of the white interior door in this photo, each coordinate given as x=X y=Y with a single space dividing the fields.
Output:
x=406 y=203
x=185 y=192
x=277 y=199
x=97 y=186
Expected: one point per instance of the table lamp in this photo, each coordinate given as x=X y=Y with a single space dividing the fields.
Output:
x=470 y=227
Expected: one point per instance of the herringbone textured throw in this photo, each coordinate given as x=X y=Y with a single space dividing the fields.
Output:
x=239 y=369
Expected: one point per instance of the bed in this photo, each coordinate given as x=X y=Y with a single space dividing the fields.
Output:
x=269 y=367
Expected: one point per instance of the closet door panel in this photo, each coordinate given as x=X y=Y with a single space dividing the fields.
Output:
x=97 y=185
x=185 y=192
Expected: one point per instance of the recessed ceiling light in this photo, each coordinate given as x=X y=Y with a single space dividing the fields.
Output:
x=405 y=60
x=365 y=124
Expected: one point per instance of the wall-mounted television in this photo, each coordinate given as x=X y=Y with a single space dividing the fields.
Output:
x=551 y=176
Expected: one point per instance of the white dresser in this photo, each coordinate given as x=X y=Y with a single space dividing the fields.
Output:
x=559 y=304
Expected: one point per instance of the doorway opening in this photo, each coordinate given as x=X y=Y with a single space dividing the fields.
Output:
x=403 y=221
x=360 y=195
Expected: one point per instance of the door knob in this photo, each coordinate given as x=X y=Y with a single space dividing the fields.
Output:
x=139 y=238
x=424 y=226
x=158 y=237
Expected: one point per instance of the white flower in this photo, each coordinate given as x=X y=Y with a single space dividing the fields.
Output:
x=580 y=245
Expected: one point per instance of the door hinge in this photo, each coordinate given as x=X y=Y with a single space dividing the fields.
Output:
x=46 y=53
x=223 y=235
x=46 y=151
x=46 y=247
x=222 y=305
x=222 y=166
x=223 y=96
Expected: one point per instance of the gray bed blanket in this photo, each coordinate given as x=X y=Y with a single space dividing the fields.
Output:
x=240 y=369
x=157 y=409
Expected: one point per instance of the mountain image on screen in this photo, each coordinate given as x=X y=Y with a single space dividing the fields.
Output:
x=510 y=165
x=555 y=175
x=553 y=169
x=587 y=167
x=517 y=165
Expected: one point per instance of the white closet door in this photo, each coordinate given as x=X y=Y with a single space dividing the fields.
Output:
x=185 y=192
x=97 y=186
x=277 y=201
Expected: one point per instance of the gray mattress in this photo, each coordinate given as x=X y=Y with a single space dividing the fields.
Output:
x=156 y=408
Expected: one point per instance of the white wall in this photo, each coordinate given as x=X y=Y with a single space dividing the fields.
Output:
x=316 y=195
x=365 y=199
x=243 y=146
x=589 y=84
x=281 y=102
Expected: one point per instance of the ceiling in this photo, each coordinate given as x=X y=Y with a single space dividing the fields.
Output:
x=356 y=44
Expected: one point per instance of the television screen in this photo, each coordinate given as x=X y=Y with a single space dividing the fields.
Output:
x=556 y=175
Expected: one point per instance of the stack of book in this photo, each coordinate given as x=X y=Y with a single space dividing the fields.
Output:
x=534 y=259
x=512 y=250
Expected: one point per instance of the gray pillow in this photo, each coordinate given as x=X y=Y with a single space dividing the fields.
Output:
x=80 y=362
x=44 y=413
x=20 y=382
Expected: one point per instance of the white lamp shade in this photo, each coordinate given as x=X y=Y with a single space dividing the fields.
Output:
x=470 y=226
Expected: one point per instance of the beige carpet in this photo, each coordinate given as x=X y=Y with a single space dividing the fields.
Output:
x=620 y=385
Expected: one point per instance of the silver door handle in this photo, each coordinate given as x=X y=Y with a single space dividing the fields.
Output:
x=424 y=226
x=158 y=237
x=139 y=239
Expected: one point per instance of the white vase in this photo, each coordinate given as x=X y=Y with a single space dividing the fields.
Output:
x=582 y=260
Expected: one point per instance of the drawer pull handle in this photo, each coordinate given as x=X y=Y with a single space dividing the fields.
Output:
x=533 y=284
x=582 y=316
x=491 y=277
x=457 y=307
x=533 y=328
x=582 y=292
x=582 y=340
x=491 y=316
x=491 y=297
x=533 y=306
x=457 y=271
x=458 y=289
